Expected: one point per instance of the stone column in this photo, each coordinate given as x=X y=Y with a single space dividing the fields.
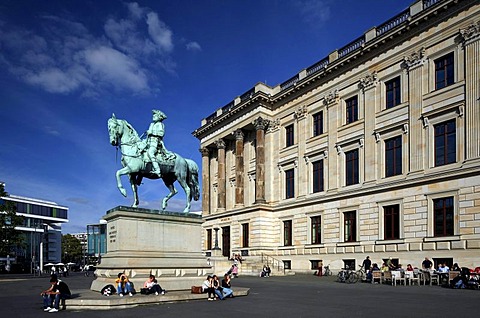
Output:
x=239 y=168
x=414 y=66
x=471 y=44
x=205 y=181
x=260 y=125
x=221 y=198
x=368 y=85
x=333 y=114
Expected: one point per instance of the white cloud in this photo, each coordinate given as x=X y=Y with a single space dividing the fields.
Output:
x=53 y=80
x=159 y=32
x=116 y=68
x=193 y=46
x=63 y=56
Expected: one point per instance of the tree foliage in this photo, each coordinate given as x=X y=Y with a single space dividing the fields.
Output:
x=71 y=248
x=10 y=239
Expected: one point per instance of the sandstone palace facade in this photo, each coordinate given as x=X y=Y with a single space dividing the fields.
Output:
x=374 y=150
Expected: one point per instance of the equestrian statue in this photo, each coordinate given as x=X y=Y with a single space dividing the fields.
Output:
x=150 y=159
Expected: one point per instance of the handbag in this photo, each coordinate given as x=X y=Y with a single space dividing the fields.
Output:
x=197 y=289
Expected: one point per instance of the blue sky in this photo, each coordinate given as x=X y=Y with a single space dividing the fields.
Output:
x=66 y=66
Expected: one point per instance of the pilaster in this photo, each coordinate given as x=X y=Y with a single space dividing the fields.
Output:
x=414 y=66
x=369 y=84
x=331 y=101
x=205 y=181
x=302 y=171
x=471 y=45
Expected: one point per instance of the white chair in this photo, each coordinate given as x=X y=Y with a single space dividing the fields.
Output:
x=397 y=276
x=410 y=278
x=434 y=279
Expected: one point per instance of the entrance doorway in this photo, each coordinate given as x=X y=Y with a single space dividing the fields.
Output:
x=226 y=241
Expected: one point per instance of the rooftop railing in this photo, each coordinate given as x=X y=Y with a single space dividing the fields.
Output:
x=429 y=3
x=289 y=83
x=352 y=46
x=247 y=95
x=392 y=23
x=317 y=66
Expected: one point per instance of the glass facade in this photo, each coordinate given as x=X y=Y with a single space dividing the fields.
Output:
x=96 y=239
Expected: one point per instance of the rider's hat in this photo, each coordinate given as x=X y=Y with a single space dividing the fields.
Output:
x=159 y=113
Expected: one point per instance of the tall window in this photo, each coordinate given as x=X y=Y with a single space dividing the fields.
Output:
x=391 y=222
x=444 y=69
x=209 y=239
x=287 y=233
x=350 y=226
x=289 y=135
x=289 y=183
x=351 y=109
x=318 y=124
x=393 y=156
x=443 y=216
x=316 y=230
x=393 y=92
x=351 y=167
x=445 y=143
x=245 y=235
x=318 y=176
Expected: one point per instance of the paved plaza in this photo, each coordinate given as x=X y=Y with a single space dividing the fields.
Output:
x=291 y=296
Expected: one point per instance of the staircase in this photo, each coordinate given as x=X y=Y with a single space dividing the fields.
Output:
x=253 y=266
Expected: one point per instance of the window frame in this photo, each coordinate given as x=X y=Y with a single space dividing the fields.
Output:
x=316 y=229
x=290 y=183
x=394 y=221
x=245 y=235
x=352 y=167
x=317 y=123
x=289 y=135
x=444 y=65
x=318 y=176
x=351 y=110
x=445 y=231
x=287 y=233
x=350 y=223
x=447 y=146
x=396 y=90
x=395 y=149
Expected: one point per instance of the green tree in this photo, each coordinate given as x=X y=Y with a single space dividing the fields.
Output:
x=10 y=239
x=71 y=248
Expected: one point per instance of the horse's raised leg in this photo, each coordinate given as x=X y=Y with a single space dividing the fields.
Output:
x=173 y=191
x=121 y=172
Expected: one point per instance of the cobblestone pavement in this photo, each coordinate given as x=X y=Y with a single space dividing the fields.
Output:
x=291 y=296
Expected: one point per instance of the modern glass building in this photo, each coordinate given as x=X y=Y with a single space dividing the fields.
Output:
x=42 y=230
x=96 y=241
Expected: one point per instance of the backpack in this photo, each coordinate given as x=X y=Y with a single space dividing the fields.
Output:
x=108 y=290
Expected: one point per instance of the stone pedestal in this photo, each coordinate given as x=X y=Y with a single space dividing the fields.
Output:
x=141 y=242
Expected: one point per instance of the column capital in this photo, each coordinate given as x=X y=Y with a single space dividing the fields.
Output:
x=369 y=81
x=414 y=60
x=471 y=33
x=220 y=143
x=239 y=135
x=331 y=98
x=260 y=123
x=204 y=151
x=273 y=125
x=301 y=112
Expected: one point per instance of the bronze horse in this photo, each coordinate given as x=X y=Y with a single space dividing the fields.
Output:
x=185 y=171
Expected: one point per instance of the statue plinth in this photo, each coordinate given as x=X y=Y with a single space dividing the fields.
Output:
x=141 y=242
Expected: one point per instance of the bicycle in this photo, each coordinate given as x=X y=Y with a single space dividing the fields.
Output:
x=347 y=275
x=327 y=271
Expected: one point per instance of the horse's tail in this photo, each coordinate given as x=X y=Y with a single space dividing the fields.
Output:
x=193 y=178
